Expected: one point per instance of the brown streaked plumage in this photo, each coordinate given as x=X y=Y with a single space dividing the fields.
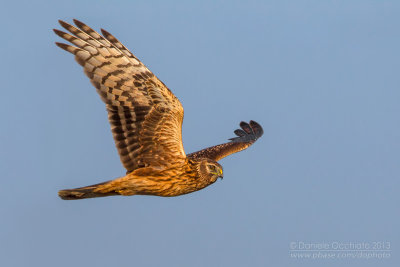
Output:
x=146 y=122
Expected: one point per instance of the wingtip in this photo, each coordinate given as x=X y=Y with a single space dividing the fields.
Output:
x=104 y=32
x=108 y=35
x=80 y=24
x=257 y=128
x=250 y=132
x=62 y=46
x=243 y=123
x=254 y=123
x=246 y=127
x=58 y=32
x=63 y=24
x=77 y=22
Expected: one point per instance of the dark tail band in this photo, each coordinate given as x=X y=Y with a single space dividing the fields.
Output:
x=84 y=192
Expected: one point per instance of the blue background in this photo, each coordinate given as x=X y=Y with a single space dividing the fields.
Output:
x=322 y=77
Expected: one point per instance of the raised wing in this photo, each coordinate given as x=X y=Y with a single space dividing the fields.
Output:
x=246 y=136
x=145 y=116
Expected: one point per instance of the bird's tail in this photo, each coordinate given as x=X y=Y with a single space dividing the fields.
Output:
x=84 y=192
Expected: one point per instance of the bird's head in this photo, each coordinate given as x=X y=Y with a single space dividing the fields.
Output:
x=211 y=170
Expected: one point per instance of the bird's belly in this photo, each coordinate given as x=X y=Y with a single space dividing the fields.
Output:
x=167 y=187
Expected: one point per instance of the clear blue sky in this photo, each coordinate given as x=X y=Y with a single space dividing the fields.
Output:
x=322 y=77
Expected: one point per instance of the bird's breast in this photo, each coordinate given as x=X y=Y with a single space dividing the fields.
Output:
x=168 y=183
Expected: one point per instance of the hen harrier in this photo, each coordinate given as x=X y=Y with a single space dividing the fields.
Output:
x=146 y=122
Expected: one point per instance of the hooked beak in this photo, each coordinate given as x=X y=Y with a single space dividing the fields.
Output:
x=221 y=174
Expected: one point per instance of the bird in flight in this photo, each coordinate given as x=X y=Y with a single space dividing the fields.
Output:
x=146 y=123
